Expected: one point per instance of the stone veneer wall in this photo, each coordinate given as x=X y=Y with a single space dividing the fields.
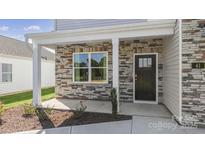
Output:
x=64 y=73
x=193 y=80
x=127 y=49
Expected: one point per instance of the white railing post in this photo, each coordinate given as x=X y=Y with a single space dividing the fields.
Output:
x=115 y=67
x=36 y=75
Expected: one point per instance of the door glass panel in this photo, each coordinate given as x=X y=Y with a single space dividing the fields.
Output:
x=145 y=62
x=149 y=62
x=140 y=62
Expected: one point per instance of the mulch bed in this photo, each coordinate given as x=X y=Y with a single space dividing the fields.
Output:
x=14 y=120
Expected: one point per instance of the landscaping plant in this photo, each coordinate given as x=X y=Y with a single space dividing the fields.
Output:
x=79 y=110
x=114 y=102
x=40 y=113
x=29 y=110
x=48 y=110
x=2 y=109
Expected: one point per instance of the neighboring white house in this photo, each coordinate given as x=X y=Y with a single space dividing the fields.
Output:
x=16 y=66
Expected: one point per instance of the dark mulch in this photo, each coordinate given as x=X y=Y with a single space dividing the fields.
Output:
x=14 y=120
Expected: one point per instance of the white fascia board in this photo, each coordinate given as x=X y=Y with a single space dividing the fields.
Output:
x=24 y=58
x=151 y=28
x=128 y=34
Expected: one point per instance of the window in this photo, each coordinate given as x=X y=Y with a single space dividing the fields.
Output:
x=145 y=62
x=6 y=72
x=81 y=67
x=90 y=67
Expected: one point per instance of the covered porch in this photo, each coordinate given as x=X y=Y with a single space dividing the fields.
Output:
x=133 y=109
x=165 y=29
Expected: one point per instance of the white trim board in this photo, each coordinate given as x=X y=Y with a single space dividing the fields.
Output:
x=157 y=82
x=180 y=70
x=24 y=58
x=151 y=28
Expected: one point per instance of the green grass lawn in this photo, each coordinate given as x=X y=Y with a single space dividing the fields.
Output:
x=25 y=97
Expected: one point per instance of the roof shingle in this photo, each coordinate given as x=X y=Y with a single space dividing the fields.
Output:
x=13 y=47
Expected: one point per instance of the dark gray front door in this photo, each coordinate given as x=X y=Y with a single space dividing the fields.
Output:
x=145 y=77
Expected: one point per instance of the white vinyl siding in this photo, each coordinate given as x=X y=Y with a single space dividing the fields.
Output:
x=69 y=24
x=22 y=74
x=171 y=55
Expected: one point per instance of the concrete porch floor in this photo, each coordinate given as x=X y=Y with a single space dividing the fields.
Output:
x=150 y=110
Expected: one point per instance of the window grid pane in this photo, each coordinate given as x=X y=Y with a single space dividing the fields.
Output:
x=6 y=67
x=98 y=60
x=99 y=74
x=6 y=77
x=81 y=60
x=81 y=75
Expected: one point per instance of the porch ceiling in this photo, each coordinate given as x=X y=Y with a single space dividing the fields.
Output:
x=155 y=28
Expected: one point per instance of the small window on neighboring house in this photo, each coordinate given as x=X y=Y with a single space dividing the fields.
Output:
x=90 y=67
x=6 y=72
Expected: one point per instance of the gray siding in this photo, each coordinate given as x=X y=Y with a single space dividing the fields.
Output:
x=172 y=73
x=69 y=24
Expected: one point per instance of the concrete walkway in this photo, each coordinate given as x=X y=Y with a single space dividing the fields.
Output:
x=151 y=110
x=138 y=125
x=147 y=119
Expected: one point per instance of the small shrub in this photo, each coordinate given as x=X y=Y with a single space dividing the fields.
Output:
x=114 y=102
x=79 y=110
x=29 y=110
x=2 y=110
x=40 y=112
x=48 y=110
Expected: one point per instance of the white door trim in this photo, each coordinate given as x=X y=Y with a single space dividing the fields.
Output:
x=157 y=84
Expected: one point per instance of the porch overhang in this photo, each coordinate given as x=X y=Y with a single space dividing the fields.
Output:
x=145 y=29
x=154 y=28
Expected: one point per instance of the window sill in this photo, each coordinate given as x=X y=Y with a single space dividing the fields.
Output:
x=91 y=83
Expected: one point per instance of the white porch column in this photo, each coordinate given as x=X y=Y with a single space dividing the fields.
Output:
x=115 y=67
x=36 y=74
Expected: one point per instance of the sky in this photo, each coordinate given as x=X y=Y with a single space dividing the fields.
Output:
x=17 y=28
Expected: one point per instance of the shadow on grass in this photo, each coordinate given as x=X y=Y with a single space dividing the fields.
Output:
x=44 y=119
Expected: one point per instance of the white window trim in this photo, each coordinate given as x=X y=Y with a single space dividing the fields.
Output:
x=1 y=72
x=89 y=68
